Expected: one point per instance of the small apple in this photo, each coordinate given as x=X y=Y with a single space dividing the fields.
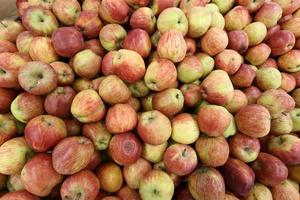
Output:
x=89 y=24
x=112 y=36
x=143 y=18
x=65 y=74
x=114 y=11
x=214 y=41
x=191 y=94
x=238 y=40
x=139 y=89
x=238 y=101
x=10 y=29
x=189 y=69
x=258 y=54
x=198 y=28
x=97 y=133
x=256 y=32
x=154 y=153
x=269 y=14
x=252 y=93
x=66 y=11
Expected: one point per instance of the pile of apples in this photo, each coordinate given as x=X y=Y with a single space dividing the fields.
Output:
x=160 y=100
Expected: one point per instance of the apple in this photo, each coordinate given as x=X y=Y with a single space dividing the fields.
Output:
x=126 y=193
x=229 y=61
x=67 y=41
x=156 y=184
x=23 y=194
x=251 y=5
x=14 y=183
x=81 y=84
x=213 y=120
x=7 y=46
x=38 y=175
x=212 y=151
x=268 y=78
x=258 y=54
x=286 y=148
x=90 y=5
x=114 y=121
x=237 y=18
x=14 y=154
x=206 y=182
x=134 y=172
x=291 y=25
x=169 y=101
x=231 y=130
x=66 y=11
x=206 y=61
x=296 y=75
x=187 y=5
x=7 y=96
x=95 y=160
x=238 y=40
x=112 y=36
x=95 y=46
x=134 y=103
x=271 y=31
x=8 y=129
x=37 y=78
x=189 y=69
x=256 y=32
x=39 y=21
x=244 y=148
x=58 y=102
x=147 y=102
x=41 y=49
x=288 y=6
x=82 y=185
x=259 y=192
x=143 y=18
x=65 y=74
x=27 y=106
x=277 y=101
x=217 y=93
x=128 y=65
x=114 y=11
x=270 y=62
x=139 y=88
x=158 y=6
x=247 y=117
x=238 y=176
x=281 y=42
x=285 y=191
x=198 y=28
x=154 y=127
x=191 y=94
x=288 y=82
x=110 y=177
x=269 y=170
x=154 y=153
x=252 y=93
x=183 y=193
x=269 y=14
x=10 y=29
x=125 y=148
x=214 y=41
x=282 y=124
x=87 y=106
x=191 y=46
x=238 y=101
x=78 y=150
x=172 y=19
x=290 y=61
x=89 y=24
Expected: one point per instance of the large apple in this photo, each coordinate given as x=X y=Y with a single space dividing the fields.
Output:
x=238 y=41
x=41 y=49
x=269 y=14
x=197 y=27
x=65 y=74
x=114 y=11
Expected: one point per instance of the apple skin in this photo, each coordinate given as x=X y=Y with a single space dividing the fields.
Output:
x=23 y=41
x=168 y=46
x=259 y=192
x=269 y=170
x=37 y=78
x=172 y=18
x=154 y=153
x=156 y=184
x=238 y=176
x=296 y=75
x=187 y=5
x=106 y=173
x=112 y=36
x=288 y=82
x=268 y=78
x=13 y=163
x=38 y=175
x=286 y=148
x=77 y=150
x=128 y=65
x=7 y=96
x=114 y=11
x=10 y=29
x=135 y=4
x=65 y=74
x=244 y=76
x=281 y=42
x=58 y=102
x=7 y=46
x=270 y=62
x=289 y=62
x=237 y=18
x=87 y=106
x=288 y=6
x=8 y=128
x=23 y=194
x=213 y=120
x=206 y=182
x=67 y=41
x=244 y=148
x=271 y=31
x=191 y=94
x=258 y=54
x=126 y=193
x=169 y=101
x=218 y=93
x=134 y=172
x=189 y=69
x=269 y=14
x=138 y=40
x=95 y=46
x=238 y=101
x=90 y=5
x=125 y=148
x=247 y=118
x=27 y=106
x=139 y=89
x=277 y=101
x=95 y=161
x=66 y=16
x=282 y=124
x=183 y=193
x=285 y=191
x=44 y=132
x=252 y=6
x=256 y=32
x=214 y=41
x=41 y=49
x=14 y=183
x=81 y=84
x=229 y=61
x=291 y=25
x=114 y=121
x=154 y=127
x=46 y=26
x=191 y=46
x=238 y=41
x=252 y=93
x=180 y=159
x=89 y=24
x=158 y=6
x=82 y=185
x=143 y=18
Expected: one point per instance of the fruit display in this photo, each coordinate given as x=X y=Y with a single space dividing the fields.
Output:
x=150 y=100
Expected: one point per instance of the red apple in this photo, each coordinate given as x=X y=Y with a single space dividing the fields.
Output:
x=107 y=63
x=23 y=194
x=6 y=98
x=67 y=41
x=238 y=41
x=95 y=160
x=126 y=193
x=82 y=185
x=8 y=128
x=66 y=11
x=288 y=82
x=95 y=46
x=76 y=150
x=41 y=49
x=44 y=132
x=191 y=94
x=89 y=24
x=258 y=54
x=125 y=148
x=269 y=14
x=229 y=61
x=116 y=114
x=65 y=74
x=281 y=42
x=112 y=36
x=252 y=93
x=114 y=11
x=143 y=18
x=269 y=170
